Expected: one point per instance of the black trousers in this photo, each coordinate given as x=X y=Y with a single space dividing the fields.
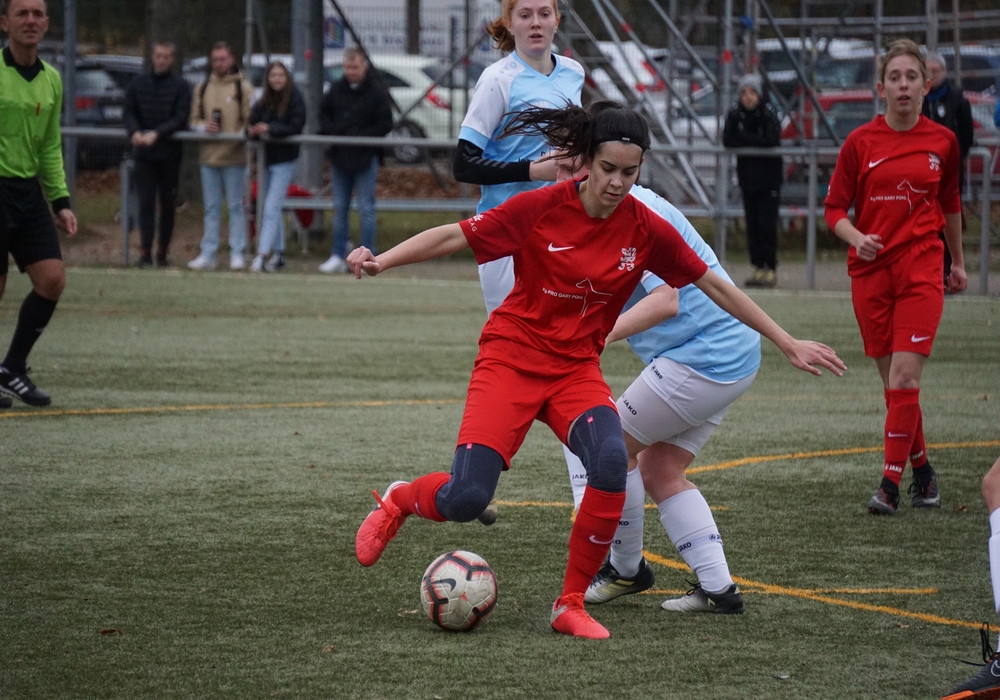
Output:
x=760 y=208
x=156 y=179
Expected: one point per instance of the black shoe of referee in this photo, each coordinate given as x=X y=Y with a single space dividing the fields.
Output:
x=18 y=385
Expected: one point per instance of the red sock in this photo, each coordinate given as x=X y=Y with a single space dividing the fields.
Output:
x=591 y=537
x=918 y=452
x=418 y=497
x=900 y=430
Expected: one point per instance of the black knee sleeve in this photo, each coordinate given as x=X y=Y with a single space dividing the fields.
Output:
x=598 y=441
x=475 y=472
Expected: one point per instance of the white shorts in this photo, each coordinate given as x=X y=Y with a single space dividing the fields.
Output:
x=670 y=402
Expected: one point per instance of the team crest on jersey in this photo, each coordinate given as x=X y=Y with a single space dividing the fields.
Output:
x=934 y=161
x=627 y=261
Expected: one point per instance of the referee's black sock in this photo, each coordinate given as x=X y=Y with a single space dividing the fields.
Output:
x=31 y=321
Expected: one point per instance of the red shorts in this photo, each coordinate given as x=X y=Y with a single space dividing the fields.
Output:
x=899 y=306
x=504 y=400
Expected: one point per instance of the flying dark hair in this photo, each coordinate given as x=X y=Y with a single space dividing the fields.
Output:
x=577 y=132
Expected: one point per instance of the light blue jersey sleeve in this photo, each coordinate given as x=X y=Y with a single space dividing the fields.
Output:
x=506 y=86
x=702 y=335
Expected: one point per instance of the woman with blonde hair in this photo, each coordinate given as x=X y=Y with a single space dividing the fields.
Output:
x=530 y=75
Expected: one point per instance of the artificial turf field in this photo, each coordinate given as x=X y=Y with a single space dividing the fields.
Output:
x=180 y=522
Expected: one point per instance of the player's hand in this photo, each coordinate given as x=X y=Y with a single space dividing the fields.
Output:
x=868 y=246
x=362 y=260
x=809 y=356
x=66 y=220
x=958 y=280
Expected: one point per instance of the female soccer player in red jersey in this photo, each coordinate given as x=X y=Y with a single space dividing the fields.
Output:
x=900 y=171
x=579 y=250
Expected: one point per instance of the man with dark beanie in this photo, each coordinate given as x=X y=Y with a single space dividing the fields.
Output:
x=157 y=104
x=31 y=175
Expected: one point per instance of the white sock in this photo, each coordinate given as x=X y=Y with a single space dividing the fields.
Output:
x=577 y=477
x=626 y=550
x=691 y=526
x=995 y=561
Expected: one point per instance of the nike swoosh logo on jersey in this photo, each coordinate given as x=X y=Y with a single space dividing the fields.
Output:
x=873 y=163
x=919 y=338
x=553 y=248
x=597 y=541
x=897 y=435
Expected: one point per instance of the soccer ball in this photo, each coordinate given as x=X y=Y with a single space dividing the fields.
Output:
x=458 y=591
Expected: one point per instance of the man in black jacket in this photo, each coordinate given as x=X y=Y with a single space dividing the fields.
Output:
x=157 y=104
x=355 y=105
x=947 y=106
x=754 y=123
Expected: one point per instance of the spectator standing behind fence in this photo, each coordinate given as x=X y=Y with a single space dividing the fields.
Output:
x=754 y=123
x=31 y=175
x=280 y=112
x=157 y=104
x=356 y=105
x=221 y=105
x=946 y=105
x=900 y=173
x=530 y=75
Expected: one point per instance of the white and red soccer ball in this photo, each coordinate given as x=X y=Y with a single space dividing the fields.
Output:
x=458 y=591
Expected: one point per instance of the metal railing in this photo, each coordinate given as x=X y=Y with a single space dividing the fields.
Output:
x=809 y=155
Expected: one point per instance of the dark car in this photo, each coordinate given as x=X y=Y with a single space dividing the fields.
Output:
x=99 y=101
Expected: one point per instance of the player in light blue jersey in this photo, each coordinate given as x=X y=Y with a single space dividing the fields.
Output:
x=530 y=75
x=699 y=360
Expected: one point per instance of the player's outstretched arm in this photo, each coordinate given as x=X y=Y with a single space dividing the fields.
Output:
x=807 y=355
x=426 y=245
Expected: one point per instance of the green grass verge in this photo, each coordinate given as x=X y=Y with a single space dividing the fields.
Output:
x=180 y=522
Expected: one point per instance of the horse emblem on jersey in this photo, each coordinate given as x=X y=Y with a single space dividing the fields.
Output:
x=590 y=295
x=912 y=194
x=627 y=261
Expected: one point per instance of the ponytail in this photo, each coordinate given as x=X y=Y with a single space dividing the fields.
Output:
x=577 y=132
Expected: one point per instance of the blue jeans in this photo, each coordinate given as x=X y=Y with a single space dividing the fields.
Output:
x=363 y=185
x=213 y=181
x=277 y=178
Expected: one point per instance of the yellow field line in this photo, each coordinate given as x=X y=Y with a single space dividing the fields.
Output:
x=144 y=410
x=817 y=595
x=744 y=461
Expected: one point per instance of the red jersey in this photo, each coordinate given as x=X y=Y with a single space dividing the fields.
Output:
x=573 y=273
x=900 y=183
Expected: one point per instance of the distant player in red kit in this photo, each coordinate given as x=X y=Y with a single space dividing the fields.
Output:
x=579 y=250
x=900 y=171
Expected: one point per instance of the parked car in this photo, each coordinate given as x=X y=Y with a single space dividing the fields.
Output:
x=857 y=68
x=122 y=68
x=99 y=102
x=430 y=101
x=849 y=109
x=778 y=63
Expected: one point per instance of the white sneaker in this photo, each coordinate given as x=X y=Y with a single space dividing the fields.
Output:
x=201 y=263
x=258 y=264
x=236 y=262
x=275 y=263
x=334 y=264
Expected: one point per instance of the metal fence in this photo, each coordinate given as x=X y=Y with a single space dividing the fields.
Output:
x=982 y=197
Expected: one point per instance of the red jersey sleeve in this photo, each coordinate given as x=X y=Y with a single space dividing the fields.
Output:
x=500 y=231
x=843 y=183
